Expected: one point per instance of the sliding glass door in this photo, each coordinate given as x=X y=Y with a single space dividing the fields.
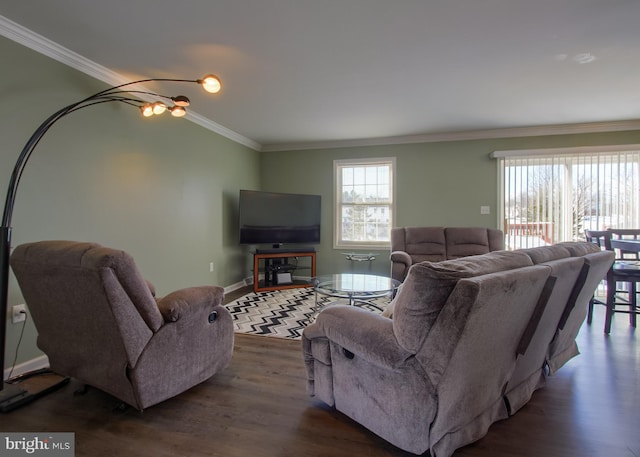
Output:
x=553 y=196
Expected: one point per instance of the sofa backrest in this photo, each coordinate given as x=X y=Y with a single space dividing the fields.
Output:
x=597 y=262
x=435 y=244
x=563 y=346
x=465 y=241
x=421 y=243
x=127 y=277
x=428 y=286
x=528 y=374
x=470 y=352
x=543 y=254
x=87 y=302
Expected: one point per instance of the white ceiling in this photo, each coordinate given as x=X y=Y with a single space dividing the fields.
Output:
x=298 y=73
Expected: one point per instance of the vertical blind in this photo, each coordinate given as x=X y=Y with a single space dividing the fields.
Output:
x=552 y=197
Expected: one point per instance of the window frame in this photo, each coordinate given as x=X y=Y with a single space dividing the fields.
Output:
x=338 y=165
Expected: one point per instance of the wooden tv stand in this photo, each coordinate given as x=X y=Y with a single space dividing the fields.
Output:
x=273 y=264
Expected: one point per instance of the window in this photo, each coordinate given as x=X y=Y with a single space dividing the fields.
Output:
x=553 y=196
x=364 y=210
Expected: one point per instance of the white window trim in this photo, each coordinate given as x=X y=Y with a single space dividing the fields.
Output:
x=337 y=243
x=571 y=150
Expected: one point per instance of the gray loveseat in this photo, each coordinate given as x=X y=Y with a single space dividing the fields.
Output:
x=469 y=342
x=411 y=245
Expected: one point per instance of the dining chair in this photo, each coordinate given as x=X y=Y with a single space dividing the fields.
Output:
x=625 y=269
x=626 y=234
x=596 y=237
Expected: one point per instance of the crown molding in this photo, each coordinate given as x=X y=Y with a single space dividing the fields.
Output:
x=514 y=132
x=42 y=45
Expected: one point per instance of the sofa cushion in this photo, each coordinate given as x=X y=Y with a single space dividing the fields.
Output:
x=544 y=254
x=579 y=248
x=425 y=243
x=428 y=285
x=466 y=241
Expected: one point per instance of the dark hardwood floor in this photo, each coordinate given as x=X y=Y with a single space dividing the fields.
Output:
x=258 y=407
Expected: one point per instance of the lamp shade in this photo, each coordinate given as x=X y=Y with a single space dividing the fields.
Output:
x=181 y=100
x=177 y=111
x=159 y=108
x=211 y=83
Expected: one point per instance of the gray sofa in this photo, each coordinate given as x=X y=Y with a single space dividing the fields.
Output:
x=99 y=321
x=470 y=340
x=411 y=245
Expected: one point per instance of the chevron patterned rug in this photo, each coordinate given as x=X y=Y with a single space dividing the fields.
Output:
x=282 y=313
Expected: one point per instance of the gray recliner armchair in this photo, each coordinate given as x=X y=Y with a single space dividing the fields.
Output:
x=98 y=321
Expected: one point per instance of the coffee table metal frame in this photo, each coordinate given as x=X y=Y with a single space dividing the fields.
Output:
x=354 y=287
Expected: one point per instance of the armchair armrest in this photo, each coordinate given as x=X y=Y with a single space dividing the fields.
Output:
x=401 y=257
x=400 y=264
x=367 y=335
x=188 y=301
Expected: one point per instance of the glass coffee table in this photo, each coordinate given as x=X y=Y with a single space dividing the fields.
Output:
x=355 y=288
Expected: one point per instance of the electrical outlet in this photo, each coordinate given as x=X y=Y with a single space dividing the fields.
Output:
x=210 y=267
x=18 y=313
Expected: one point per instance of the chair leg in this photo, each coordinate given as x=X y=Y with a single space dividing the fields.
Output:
x=611 y=298
x=632 y=304
x=590 y=311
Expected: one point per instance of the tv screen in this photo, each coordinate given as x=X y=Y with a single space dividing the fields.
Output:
x=278 y=218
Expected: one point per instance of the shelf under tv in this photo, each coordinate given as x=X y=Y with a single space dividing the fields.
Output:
x=278 y=271
x=286 y=250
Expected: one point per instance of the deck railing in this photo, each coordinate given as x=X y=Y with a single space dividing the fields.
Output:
x=543 y=230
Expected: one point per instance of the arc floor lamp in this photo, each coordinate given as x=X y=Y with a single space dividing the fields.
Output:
x=123 y=93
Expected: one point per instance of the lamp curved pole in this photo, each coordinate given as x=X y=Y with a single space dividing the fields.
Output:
x=111 y=94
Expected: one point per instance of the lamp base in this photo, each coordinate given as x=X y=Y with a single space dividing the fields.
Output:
x=13 y=396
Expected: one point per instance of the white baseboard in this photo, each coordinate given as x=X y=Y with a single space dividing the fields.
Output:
x=25 y=367
x=238 y=285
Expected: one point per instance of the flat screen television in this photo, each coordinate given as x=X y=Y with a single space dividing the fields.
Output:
x=279 y=218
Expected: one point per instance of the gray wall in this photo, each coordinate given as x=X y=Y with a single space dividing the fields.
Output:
x=441 y=184
x=163 y=189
